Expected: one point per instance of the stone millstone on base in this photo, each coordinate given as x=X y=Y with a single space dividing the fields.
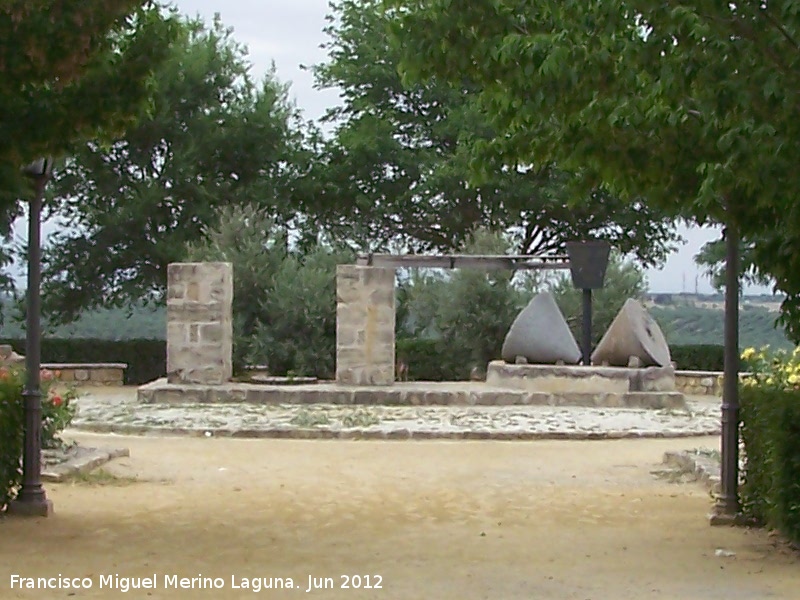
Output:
x=634 y=333
x=541 y=335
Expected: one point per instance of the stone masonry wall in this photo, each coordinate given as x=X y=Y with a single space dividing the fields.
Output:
x=199 y=323
x=365 y=315
x=701 y=383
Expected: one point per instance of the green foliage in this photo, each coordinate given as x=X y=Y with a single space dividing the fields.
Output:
x=284 y=301
x=712 y=258
x=428 y=359
x=11 y=436
x=146 y=359
x=624 y=279
x=770 y=412
x=688 y=104
x=213 y=138
x=58 y=410
x=467 y=311
x=67 y=74
x=396 y=171
x=133 y=322
x=698 y=357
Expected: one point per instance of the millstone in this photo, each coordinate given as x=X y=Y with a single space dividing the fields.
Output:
x=633 y=334
x=540 y=335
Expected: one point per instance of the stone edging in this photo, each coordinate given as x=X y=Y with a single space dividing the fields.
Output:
x=85 y=460
x=704 y=467
x=365 y=434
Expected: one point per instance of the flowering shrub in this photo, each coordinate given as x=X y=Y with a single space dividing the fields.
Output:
x=779 y=369
x=770 y=431
x=58 y=410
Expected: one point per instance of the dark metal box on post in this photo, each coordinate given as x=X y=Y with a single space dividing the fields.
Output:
x=588 y=262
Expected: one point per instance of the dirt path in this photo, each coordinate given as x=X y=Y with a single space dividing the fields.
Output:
x=440 y=520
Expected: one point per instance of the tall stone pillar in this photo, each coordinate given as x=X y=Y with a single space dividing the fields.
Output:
x=199 y=323
x=365 y=314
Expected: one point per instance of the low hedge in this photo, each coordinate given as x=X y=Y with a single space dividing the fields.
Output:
x=770 y=431
x=700 y=357
x=430 y=360
x=146 y=359
x=427 y=359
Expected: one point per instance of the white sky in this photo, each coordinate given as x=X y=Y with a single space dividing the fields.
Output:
x=289 y=33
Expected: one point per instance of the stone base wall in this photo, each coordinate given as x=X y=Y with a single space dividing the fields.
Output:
x=365 y=320
x=403 y=394
x=580 y=379
x=701 y=383
x=96 y=374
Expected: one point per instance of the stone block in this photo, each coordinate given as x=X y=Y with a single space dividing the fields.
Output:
x=540 y=334
x=365 y=321
x=633 y=333
x=199 y=323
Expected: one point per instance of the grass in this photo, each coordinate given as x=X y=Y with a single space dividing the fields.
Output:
x=101 y=477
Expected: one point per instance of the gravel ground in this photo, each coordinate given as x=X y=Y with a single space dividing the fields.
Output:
x=117 y=410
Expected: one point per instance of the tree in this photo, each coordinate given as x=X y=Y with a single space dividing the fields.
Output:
x=69 y=71
x=397 y=169
x=624 y=280
x=712 y=258
x=468 y=312
x=284 y=300
x=213 y=138
x=689 y=104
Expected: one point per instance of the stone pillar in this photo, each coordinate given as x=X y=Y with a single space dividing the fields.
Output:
x=199 y=323
x=364 y=325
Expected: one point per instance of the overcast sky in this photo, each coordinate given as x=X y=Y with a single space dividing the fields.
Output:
x=290 y=32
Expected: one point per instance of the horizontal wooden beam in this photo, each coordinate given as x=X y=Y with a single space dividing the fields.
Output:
x=464 y=261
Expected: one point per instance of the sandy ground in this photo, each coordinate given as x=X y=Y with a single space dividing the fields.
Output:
x=441 y=520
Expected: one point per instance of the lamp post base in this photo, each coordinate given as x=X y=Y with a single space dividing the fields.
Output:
x=35 y=508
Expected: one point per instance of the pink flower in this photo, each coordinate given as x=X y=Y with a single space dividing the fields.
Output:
x=57 y=401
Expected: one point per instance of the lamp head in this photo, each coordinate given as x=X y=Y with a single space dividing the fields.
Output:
x=39 y=168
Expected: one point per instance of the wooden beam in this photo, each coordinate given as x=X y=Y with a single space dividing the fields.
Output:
x=463 y=261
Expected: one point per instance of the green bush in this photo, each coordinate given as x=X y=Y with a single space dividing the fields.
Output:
x=284 y=297
x=466 y=311
x=702 y=357
x=771 y=477
x=428 y=360
x=146 y=359
x=770 y=430
x=58 y=410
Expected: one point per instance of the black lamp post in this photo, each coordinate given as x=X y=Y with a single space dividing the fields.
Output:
x=727 y=507
x=32 y=499
x=588 y=262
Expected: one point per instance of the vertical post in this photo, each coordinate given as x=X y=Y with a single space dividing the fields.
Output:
x=365 y=322
x=199 y=323
x=587 y=327
x=32 y=500
x=728 y=502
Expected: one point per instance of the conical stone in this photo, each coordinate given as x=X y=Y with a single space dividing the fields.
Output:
x=633 y=334
x=540 y=334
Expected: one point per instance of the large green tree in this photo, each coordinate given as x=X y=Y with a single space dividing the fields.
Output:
x=690 y=104
x=397 y=169
x=213 y=138
x=69 y=71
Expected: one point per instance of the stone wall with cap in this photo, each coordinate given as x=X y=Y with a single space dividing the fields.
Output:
x=701 y=383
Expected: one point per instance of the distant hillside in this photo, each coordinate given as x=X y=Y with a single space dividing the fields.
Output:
x=113 y=324
x=683 y=322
